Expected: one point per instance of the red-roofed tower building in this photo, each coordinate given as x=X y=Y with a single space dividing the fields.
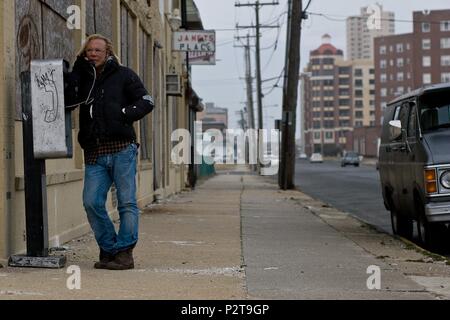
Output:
x=327 y=105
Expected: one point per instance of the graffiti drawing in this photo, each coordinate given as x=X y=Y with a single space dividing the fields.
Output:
x=47 y=83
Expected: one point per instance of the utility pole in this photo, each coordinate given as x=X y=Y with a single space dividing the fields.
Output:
x=242 y=122
x=290 y=93
x=257 y=6
x=248 y=80
x=248 y=75
x=258 y=70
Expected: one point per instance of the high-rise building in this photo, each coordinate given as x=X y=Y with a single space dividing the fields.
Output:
x=363 y=93
x=327 y=105
x=408 y=61
x=338 y=97
x=362 y=29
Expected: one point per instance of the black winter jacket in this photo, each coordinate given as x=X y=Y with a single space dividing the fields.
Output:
x=102 y=99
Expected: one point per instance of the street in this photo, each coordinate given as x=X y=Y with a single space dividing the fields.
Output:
x=351 y=189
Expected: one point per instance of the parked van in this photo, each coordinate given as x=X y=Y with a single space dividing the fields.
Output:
x=414 y=163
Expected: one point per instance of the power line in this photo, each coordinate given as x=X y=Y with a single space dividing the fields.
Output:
x=218 y=79
x=271 y=16
x=276 y=84
x=275 y=46
x=224 y=43
x=329 y=17
x=277 y=19
x=257 y=6
x=307 y=6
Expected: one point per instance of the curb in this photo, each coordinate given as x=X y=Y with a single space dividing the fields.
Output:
x=407 y=242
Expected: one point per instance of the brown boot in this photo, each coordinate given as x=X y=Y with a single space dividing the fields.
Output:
x=123 y=260
x=104 y=258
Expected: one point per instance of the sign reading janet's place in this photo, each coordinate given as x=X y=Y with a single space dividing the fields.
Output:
x=194 y=41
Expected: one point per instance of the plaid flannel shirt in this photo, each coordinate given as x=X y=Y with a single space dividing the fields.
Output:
x=105 y=147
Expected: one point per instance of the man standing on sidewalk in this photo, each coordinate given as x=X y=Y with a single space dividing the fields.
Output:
x=111 y=97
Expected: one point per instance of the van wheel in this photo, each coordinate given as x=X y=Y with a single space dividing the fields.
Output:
x=431 y=235
x=401 y=225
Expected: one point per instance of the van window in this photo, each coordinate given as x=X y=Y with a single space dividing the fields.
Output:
x=435 y=117
x=396 y=112
x=434 y=111
x=403 y=116
x=412 y=122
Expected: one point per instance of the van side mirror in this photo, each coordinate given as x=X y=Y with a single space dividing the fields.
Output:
x=395 y=129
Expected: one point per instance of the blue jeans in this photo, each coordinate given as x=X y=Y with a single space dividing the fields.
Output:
x=118 y=168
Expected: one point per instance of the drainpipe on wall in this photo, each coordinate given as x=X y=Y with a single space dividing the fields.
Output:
x=191 y=114
x=7 y=124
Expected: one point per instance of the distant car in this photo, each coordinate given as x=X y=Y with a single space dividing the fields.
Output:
x=316 y=158
x=303 y=156
x=351 y=158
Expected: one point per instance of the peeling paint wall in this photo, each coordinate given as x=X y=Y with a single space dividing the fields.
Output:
x=96 y=10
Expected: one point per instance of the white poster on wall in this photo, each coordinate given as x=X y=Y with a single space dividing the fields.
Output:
x=194 y=41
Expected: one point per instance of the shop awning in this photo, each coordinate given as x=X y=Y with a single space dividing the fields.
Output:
x=194 y=21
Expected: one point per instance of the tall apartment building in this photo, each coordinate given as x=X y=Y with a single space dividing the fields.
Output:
x=304 y=100
x=363 y=93
x=408 y=61
x=360 y=35
x=327 y=104
x=338 y=97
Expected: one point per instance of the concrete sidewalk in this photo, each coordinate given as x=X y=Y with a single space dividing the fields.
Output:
x=236 y=236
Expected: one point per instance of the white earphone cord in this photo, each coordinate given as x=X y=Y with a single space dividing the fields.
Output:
x=90 y=92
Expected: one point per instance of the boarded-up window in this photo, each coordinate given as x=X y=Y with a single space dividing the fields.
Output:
x=99 y=17
x=41 y=34
x=127 y=36
x=57 y=38
x=144 y=73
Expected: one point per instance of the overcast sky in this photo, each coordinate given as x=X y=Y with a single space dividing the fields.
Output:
x=221 y=83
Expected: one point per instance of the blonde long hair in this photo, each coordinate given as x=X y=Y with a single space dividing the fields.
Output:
x=109 y=46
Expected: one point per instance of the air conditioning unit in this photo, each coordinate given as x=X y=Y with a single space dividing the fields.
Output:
x=173 y=84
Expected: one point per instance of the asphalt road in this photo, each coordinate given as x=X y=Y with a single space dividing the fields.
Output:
x=355 y=190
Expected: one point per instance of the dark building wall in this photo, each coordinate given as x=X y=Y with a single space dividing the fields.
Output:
x=365 y=141
x=416 y=53
x=435 y=34
x=391 y=69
